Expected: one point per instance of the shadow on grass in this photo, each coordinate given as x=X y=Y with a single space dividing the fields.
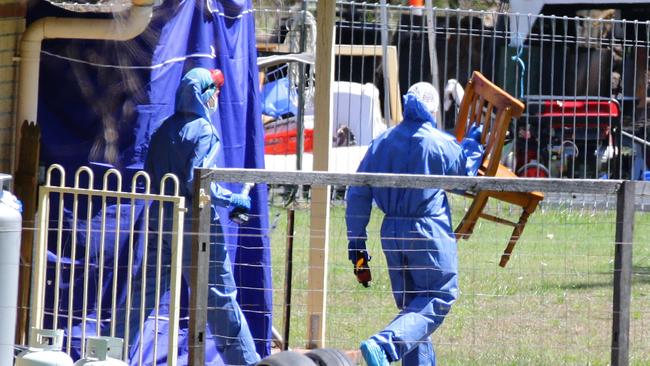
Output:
x=640 y=276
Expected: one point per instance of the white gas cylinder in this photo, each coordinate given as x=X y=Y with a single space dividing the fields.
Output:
x=102 y=351
x=44 y=349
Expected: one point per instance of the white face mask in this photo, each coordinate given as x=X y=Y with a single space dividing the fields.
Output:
x=213 y=102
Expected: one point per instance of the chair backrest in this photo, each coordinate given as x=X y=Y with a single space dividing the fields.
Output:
x=487 y=104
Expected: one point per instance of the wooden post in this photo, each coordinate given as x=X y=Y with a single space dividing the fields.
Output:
x=25 y=189
x=200 y=268
x=623 y=274
x=288 y=276
x=319 y=230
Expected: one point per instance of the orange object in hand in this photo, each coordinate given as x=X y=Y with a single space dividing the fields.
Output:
x=362 y=270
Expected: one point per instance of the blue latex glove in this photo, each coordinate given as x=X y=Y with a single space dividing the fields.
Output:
x=475 y=132
x=240 y=202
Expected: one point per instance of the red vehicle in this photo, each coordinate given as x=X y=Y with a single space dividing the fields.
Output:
x=564 y=136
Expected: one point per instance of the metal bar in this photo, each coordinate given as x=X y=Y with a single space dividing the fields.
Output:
x=98 y=193
x=624 y=81
x=175 y=285
x=623 y=274
x=433 y=55
x=586 y=92
x=300 y=118
x=576 y=56
x=384 y=61
x=143 y=281
x=610 y=165
x=635 y=138
x=100 y=277
x=160 y=231
x=40 y=261
x=564 y=43
x=288 y=275
x=73 y=265
x=129 y=285
x=86 y=284
x=57 y=271
x=647 y=67
x=599 y=49
x=116 y=257
x=200 y=270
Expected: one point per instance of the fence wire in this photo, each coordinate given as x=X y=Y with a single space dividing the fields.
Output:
x=583 y=79
x=552 y=303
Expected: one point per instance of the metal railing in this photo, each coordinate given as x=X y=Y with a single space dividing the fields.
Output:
x=77 y=240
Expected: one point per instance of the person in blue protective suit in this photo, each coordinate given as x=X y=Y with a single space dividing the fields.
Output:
x=416 y=234
x=185 y=140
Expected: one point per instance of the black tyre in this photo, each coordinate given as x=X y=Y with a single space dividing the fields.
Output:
x=287 y=358
x=329 y=357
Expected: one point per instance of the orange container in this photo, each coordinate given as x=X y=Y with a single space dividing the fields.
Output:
x=419 y=3
x=284 y=143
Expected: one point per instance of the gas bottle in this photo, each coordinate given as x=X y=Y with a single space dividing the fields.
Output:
x=102 y=351
x=44 y=349
x=10 y=230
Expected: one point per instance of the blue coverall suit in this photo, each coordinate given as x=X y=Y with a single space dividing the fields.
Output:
x=416 y=233
x=185 y=140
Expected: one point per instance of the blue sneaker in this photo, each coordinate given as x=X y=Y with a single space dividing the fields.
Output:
x=373 y=353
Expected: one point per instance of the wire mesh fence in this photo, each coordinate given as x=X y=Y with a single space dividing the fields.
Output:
x=557 y=301
x=560 y=299
x=583 y=79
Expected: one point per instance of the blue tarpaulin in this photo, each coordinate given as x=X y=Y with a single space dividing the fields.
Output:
x=100 y=101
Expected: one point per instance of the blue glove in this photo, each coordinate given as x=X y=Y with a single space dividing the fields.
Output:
x=240 y=203
x=475 y=132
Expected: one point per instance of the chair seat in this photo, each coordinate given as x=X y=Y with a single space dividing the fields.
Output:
x=523 y=199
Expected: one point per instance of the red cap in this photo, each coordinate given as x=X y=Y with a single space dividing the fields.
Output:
x=217 y=77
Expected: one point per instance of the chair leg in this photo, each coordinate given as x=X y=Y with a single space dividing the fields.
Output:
x=466 y=227
x=516 y=233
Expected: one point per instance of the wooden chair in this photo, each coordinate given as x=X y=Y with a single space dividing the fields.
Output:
x=487 y=104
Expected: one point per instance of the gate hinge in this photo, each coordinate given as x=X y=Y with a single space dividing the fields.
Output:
x=203 y=198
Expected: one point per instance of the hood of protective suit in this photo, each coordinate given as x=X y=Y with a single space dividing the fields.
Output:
x=193 y=93
x=415 y=110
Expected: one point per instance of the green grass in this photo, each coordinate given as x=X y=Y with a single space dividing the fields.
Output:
x=551 y=305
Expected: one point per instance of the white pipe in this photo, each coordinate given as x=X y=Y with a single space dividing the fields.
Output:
x=68 y=28
x=118 y=29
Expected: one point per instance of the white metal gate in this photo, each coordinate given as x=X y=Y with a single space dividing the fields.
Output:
x=95 y=271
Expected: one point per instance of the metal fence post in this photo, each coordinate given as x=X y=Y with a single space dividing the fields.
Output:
x=623 y=273
x=200 y=266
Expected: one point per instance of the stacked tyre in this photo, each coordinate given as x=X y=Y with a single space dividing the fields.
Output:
x=315 y=357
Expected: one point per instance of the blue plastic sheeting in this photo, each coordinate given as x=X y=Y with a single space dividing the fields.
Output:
x=279 y=98
x=107 y=115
